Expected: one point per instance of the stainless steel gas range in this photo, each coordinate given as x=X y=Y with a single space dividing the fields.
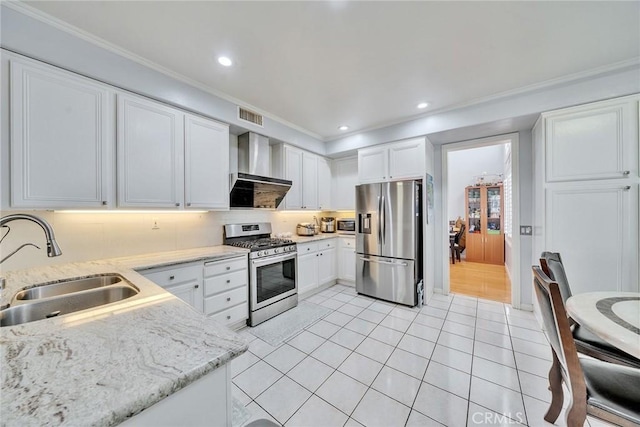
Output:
x=273 y=268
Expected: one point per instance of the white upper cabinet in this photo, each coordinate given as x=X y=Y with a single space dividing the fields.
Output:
x=345 y=179
x=150 y=154
x=389 y=162
x=308 y=173
x=62 y=140
x=325 y=201
x=594 y=141
x=373 y=164
x=206 y=163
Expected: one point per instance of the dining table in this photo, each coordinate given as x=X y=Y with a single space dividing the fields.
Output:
x=612 y=316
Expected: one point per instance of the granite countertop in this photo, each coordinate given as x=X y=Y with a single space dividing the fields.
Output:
x=101 y=366
x=320 y=236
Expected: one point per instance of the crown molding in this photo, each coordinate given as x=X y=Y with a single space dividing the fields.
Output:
x=25 y=9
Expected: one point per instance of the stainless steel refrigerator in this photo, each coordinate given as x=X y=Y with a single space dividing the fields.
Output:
x=389 y=240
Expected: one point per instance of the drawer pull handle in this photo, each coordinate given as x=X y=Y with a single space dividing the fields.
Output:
x=196 y=286
x=626 y=173
x=172 y=277
x=228 y=280
x=228 y=317
x=228 y=299
x=228 y=268
x=177 y=204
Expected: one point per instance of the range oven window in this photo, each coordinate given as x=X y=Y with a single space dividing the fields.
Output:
x=275 y=279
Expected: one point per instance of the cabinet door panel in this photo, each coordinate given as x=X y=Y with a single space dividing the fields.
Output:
x=325 y=201
x=307 y=272
x=150 y=154
x=373 y=164
x=345 y=179
x=327 y=266
x=592 y=228
x=61 y=139
x=189 y=292
x=293 y=172
x=206 y=164
x=309 y=181
x=407 y=159
x=594 y=142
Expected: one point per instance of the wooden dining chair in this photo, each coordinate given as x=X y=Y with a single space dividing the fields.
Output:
x=586 y=342
x=604 y=390
x=459 y=243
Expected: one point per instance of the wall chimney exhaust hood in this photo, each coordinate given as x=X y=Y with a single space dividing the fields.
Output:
x=252 y=186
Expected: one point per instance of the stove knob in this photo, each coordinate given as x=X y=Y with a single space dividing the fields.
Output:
x=259 y=253
x=277 y=251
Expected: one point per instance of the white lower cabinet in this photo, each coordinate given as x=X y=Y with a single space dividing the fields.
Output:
x=316 y=264
x=226 y=290
x=183 y=281
x=206 y=401
x=218 y=289
x=347 y=259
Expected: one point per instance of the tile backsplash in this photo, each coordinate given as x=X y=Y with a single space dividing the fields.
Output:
x=97 y=235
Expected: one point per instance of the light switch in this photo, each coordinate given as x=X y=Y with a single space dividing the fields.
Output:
x=526 y=230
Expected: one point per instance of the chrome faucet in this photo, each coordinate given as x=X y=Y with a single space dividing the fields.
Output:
x=52 y=246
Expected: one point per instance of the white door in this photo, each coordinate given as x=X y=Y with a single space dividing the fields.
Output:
x=307 y=272
x=206 y=148
x=325 y=201
x=62 y=141
x=189 y=292
x=345 y=179
x=373 y=165
x=327 y=266
x=596 y=141
x=150 y=154
x=309 y=181
x=293 y=172
x=407 y=159
x=592 y=226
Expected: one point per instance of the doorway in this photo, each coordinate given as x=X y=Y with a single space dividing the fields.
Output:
x=480 y=193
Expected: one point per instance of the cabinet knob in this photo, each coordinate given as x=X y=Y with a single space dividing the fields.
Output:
x=228 y=280
x=189 y=204
x=104 y=203
x=196 y=286
x=316 y=254
x=626 y=173
x=172 y=277
x=228 y=317
x=228 y=268
x=177 y=204
x=228 y=299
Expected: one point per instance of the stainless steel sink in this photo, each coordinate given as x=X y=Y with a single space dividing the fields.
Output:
x=61 y=288
x=58 y=299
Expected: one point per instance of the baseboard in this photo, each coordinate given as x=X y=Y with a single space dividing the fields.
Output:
x=526 y=307
x=346 y=282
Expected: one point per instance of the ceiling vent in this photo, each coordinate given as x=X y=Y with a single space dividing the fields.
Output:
x=250 y=116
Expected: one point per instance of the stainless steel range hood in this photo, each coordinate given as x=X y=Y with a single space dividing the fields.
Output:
x=252 y=186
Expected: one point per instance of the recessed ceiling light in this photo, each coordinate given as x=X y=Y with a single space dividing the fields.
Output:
x=223 y=60
x=423 y=105
x=344 y=127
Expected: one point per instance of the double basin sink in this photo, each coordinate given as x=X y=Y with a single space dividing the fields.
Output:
x=56 y=299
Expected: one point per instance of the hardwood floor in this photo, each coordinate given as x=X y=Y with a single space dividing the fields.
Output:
x=480 y=280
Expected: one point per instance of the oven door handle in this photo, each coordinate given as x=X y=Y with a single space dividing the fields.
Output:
x=272 y=260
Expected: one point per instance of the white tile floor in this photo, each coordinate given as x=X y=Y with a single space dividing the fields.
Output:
x=458 y=361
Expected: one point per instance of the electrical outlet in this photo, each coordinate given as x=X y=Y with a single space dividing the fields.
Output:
x=526 y=230
x=155 y=224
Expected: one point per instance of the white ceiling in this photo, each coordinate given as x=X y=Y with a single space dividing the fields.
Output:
x=319 y=65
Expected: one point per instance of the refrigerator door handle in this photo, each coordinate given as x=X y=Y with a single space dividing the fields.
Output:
x=401 y=264
x=383 y=211
x=379 y=213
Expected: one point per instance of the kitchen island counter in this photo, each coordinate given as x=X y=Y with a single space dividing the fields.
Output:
x=102 y=366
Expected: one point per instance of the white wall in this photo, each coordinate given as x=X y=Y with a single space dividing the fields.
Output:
x=464 y=165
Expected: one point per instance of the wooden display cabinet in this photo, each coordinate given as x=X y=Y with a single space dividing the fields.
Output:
x=485 y=234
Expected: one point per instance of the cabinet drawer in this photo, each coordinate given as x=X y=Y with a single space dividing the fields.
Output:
x=214 y=268
x=172 y=275
x=225 y=300
x=225 y=282
x=307 y=248
x=347 y=243
x=232 y=315
x=326 y=244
